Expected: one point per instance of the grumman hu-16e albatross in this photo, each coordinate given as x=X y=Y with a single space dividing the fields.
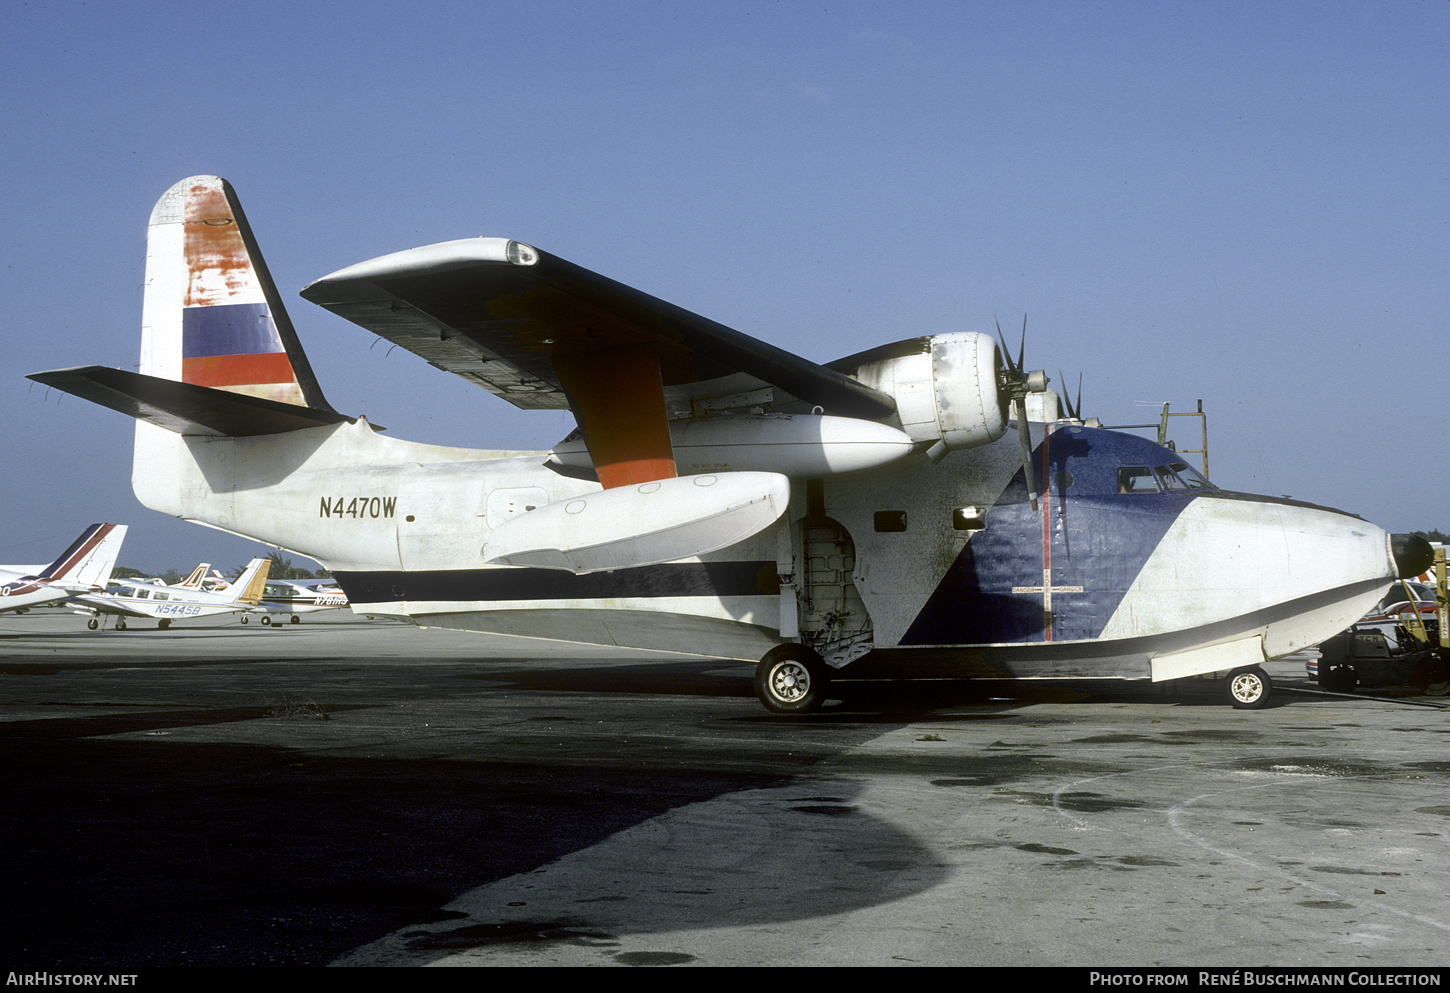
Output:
x=138 y=598
x=877 y=516
x=85 y=566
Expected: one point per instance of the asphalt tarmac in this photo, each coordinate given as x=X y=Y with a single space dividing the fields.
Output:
x=365 y=793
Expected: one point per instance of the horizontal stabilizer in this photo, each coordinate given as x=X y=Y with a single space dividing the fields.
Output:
x=183 y=407
x=644 y=524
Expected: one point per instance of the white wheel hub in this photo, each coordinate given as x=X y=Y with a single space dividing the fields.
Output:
x=790 y=681
x=1246 y=687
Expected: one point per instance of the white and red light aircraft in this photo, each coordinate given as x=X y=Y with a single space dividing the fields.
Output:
x=86 y=565
x=877 y=516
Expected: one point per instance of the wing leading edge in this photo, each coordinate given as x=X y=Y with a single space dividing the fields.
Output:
x=514 y=319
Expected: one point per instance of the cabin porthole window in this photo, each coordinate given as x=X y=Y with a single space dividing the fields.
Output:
x=889 y=521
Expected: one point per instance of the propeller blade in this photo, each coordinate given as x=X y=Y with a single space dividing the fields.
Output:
x=1024 y=441
x=1006 y=355
x=1074 y=407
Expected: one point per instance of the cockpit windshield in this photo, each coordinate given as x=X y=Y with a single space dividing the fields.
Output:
x=1191 y=477
x=1170 y=478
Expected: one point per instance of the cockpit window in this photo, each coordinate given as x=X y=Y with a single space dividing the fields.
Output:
x=1190 y=476
x=1168 y=480
x=1136 y=479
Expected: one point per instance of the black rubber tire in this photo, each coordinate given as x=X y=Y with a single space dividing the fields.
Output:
x=1340 y=679
x=1429 y=670
x=1248 y=688
x=791 y=679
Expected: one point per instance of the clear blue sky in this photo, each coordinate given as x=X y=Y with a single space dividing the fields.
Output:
x=1247 y=203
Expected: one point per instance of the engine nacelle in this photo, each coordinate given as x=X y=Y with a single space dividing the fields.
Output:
x=947 y=388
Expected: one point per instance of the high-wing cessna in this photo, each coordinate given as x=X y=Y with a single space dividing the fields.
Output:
x=291 y=598
x=877 y=516
x=86 y=565
x=131 y=598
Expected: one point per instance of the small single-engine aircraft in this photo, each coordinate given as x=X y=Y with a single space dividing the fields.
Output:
x=138 y=598
x=86 y=565
x=294 y=597
x=200 y=579
x=894 y=513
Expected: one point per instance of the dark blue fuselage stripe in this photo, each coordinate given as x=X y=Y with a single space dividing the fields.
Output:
x=1099 y=541
x=669 y=580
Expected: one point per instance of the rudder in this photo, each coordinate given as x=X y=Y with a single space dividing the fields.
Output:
x=90 y=558
x=212 y=316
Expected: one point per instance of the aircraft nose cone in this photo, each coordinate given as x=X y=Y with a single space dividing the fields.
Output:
x=1413 y=554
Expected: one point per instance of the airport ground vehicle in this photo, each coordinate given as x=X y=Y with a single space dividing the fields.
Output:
x=1404 y=640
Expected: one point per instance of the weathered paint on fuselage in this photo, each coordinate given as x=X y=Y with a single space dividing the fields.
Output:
x=1102 y=580
x=1096 y=582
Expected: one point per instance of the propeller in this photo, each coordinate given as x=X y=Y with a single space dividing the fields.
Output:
x=1017 y=384
x=1074 y=407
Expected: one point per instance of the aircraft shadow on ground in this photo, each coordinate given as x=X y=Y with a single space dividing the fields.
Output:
x=161 y=851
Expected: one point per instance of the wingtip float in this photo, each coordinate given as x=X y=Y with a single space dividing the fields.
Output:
x=873 y=516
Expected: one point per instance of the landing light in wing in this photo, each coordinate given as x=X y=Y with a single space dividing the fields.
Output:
x=520 y=254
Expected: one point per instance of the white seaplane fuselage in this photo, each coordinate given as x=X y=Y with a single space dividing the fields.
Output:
x=1164 y=583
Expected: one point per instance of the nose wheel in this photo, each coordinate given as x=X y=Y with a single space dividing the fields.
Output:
x=791 y=679
x=1248 y=689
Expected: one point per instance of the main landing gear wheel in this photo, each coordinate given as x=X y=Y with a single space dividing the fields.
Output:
x=120 y=624
x=791 y=679
x=1248 y=689
x=1429 y=671
x=266 y=618
x=164 y=623
x=296 y=619
x=1339 y=679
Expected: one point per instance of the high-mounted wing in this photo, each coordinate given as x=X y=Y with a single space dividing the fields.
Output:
x=545 y=333
x=506 y=316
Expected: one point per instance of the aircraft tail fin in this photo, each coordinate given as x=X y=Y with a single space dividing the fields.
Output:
x=249 y=585
x=197 y=577
x=212 y=315
x=219 y=355
x=90 y=559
